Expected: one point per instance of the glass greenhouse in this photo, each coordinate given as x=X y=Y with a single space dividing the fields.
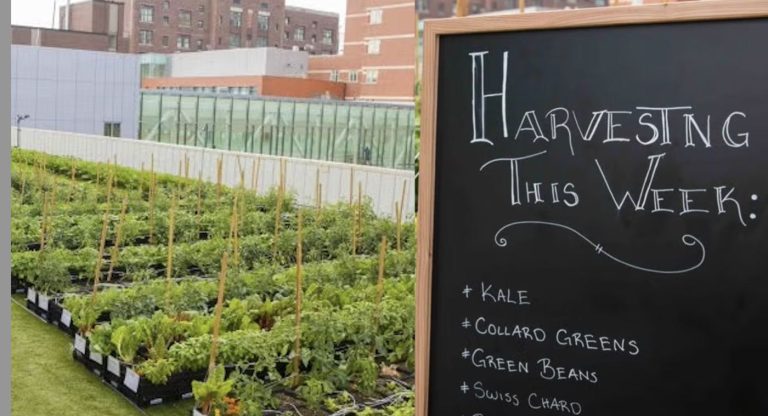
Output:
x=339 y=131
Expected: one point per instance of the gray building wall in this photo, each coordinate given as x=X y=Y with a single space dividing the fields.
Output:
x=240 y=62
x=75 y=90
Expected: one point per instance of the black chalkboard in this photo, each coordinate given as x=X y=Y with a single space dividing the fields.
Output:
x=601 y=304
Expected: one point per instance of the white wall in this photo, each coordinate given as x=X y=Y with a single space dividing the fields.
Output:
x=74 y=90
x=382 y=186
x=240 y=62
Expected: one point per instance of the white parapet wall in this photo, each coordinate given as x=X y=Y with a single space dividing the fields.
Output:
x=382 y=186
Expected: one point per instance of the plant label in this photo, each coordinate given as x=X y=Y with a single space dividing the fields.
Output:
x=42 y=302
x=96 y=357
x=197 y=413
x=66 y=318
x=131 y=380
x=80 y=344
x=113 y=365
x=31 y=295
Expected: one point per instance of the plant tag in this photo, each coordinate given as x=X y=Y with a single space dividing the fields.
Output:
x=42 y=302
x=155 y=402
x=96 y=357
x=131 y=380
x=66 y=318
x=113 y=365
x=197 y=413
x=31 y=295
x=79 y=344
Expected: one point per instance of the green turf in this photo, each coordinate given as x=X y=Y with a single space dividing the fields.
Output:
x=47 y=381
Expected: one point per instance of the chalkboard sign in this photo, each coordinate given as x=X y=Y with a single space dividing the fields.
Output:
x=594 y=213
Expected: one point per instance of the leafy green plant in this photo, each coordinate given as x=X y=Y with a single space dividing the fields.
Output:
x=212 y=392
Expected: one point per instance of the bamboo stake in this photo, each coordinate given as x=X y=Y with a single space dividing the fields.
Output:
x=118 y=237
x=462 y=8
x=217 y=315
x=318 y=191
x=398 y=223
x=100 y=259
x=235 y=232
x=357 y=218
x=186 y=165
x=44 y=222
x=521 y=5
x=255 y=175
x=299 y=298
x=141 y=182
x=152 y=204
x=110 y=179
x=169 y=261
x=403 y=196
x=278 y=213
x=181 y=167
x=219 y=170
x=351 y=185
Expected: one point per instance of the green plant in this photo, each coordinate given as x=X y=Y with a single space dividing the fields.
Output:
x=211 y=392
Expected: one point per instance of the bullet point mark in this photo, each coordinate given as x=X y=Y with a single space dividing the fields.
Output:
x=754 y=197
x=752 y=216
x=466 y=323
x=464 y=387
x=466 y=291
x=465 y=354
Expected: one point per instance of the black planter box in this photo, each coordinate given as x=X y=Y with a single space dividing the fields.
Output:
x=93 y=361
x=32 y=299
x=42 y=306
x=18 y=285
x=143 y=393
x=54 y=312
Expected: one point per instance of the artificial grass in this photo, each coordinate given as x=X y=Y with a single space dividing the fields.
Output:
x=45 y=380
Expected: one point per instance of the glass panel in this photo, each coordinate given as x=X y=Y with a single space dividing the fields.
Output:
x=205 y=122
x=150 y=116
x=169 y=119
x=239 y=124
x=222 y=123
x=188 y=122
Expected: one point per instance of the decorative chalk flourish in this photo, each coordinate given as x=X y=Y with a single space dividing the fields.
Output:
x=687 y=239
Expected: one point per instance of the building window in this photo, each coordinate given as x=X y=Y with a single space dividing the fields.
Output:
x=234 y=41
x=314 y=38
x=264 y=6
x=165 y=41
x=145 y=37
x=185 y=18
x=375 y=16
x=334 y=75
x=112 y=129
x=263 y=23
x=287 y=20
x=328 y=37
x=166 y=5
x=200 y=24
x=166 y=20
x=147 y=14
x=112 y=43
x=299 y=33
x=261 y=42
x=236 y=19
x=374 y=46
x=371 y=76
x=314 y=24
x=287 y=34
x=199 y=44
x=182 y=42
x=352 y=76
x=201 y=9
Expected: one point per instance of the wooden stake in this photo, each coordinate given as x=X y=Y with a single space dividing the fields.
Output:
x=219 y=172
x=118 y=238
x=278 y=213
x=256 y=166
x=402 y=197
x=351 y=185
x=462 y=8
x=299 y=298
x=152 y=204
x=398 y=223
x=100 y=259
x=186 y=165
x=358 y=218
x=141 y=182
x=217 y=314
x=318 y=192
x=235 y=231
x=521 y=5
x=44 y=222
x=169 y=261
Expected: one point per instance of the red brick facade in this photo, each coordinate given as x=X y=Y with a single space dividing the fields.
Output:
x=309 y=30
x=379 y=58
x=261 y=85
x=24 y=35
x=435 y=9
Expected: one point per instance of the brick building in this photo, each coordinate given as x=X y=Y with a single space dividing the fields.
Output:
x=435 y=9
x=97 y=16
x=310 y=30
x=167 y=26
x=379 y=59
x=70 y=39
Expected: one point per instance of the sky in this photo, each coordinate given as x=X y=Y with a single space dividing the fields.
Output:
x=40 y=12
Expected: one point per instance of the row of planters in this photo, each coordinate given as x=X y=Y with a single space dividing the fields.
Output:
x=343 y=344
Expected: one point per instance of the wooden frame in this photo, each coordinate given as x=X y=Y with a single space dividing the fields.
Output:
x=598 y=17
